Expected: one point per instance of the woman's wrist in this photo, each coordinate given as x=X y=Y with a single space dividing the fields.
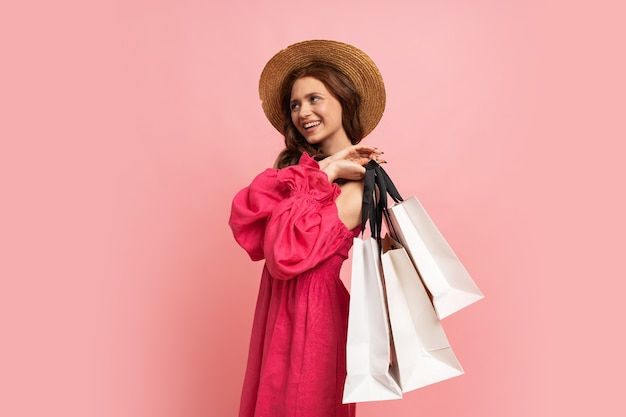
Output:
x=324 y=163
x=330 y=171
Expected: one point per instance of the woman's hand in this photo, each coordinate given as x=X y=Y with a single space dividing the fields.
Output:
x=348 y=163
x=359 y=153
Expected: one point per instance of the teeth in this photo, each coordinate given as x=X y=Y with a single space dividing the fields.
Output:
x=311 y=124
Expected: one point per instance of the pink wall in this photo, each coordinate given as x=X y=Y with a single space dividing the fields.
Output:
x=128 y=126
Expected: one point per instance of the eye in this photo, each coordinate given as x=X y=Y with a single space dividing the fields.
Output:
x=315 y=99
x=294 y=106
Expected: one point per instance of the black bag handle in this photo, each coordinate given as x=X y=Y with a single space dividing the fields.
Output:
x=391 y=189
x=373 y=209
x=369 y=206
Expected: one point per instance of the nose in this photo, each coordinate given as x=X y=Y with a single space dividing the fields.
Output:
x=305 y=110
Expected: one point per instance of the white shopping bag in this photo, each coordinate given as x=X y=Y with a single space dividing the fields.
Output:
x=443 y=274
x=423 y=353
x=371 y=369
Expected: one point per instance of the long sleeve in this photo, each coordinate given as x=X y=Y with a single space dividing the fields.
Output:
x=250 y=210
x=289 y=217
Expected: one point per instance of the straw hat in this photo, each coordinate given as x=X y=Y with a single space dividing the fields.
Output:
x=351 y=61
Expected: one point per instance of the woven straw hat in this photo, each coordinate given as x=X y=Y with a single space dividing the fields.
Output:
x=351 y=61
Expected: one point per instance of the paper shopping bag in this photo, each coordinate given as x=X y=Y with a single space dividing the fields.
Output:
x=422 y=349
x=371 y=369
x=447 y=280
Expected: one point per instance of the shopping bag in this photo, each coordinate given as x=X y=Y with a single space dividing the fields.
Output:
x=423 y=353
x=450 y=285
x=371 y=368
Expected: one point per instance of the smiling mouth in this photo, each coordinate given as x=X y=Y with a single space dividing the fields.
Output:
x=311 y=125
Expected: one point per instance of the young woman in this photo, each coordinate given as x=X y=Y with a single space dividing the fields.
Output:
x=301 y=217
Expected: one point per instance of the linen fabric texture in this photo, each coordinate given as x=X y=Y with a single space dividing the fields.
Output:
x=296 y=363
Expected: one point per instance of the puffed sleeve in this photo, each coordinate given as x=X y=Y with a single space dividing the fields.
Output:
x=250 y=210
x=295 y=224
x=304 y=229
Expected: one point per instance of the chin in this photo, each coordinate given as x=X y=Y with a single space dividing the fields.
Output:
x=314 y=140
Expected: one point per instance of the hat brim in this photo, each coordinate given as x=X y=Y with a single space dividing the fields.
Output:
x=351 y=61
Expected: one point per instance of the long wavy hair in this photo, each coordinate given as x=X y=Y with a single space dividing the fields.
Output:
x=342 y=88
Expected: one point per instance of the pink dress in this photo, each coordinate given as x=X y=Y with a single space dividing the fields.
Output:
x=296 y=363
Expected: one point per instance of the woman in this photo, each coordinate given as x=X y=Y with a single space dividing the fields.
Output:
x=301 y=217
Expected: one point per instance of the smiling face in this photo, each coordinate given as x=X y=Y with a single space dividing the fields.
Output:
x=317 y=115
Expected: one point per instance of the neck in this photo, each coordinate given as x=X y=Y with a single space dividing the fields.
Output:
x=334 y=145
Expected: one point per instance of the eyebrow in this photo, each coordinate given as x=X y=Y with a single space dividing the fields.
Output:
x=314 y=93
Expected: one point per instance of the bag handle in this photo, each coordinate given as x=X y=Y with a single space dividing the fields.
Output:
x=377 y=183
x=368 y=208
x=390 y=187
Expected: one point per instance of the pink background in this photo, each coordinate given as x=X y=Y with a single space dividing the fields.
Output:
x=128 y=126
